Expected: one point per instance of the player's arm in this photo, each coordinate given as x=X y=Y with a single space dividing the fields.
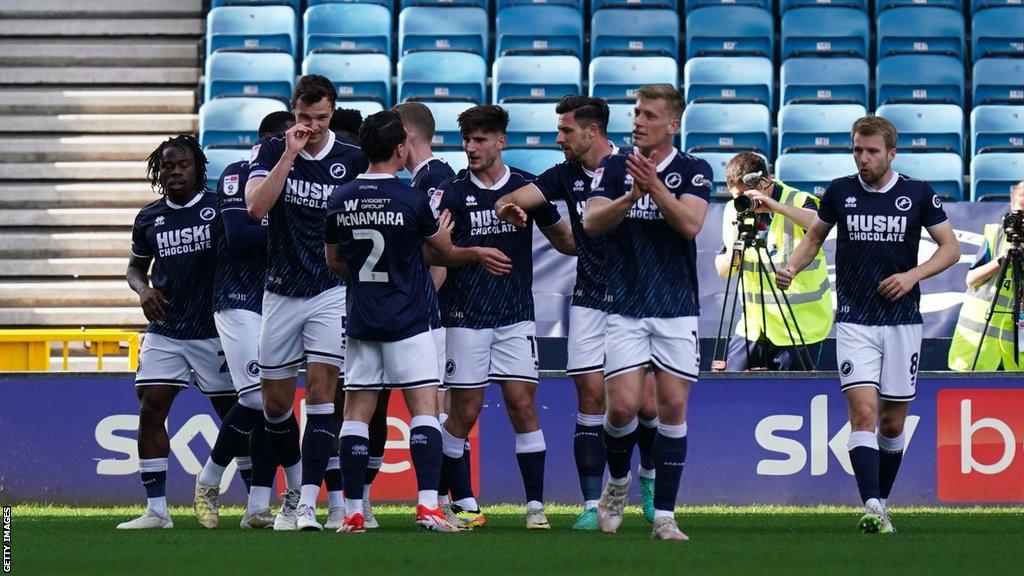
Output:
x=560 y=236
x=441 y=252
x=262 y=193
x=602 y=215
x=241 y=231
x=948 y=253
x=804 y=253
x=684 y=213
x=512 y=207
x=151 y=299
x=336 y=260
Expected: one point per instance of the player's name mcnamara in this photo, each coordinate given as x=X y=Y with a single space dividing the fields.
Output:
x=876 y=228
x=379 y=218
x=184 y=240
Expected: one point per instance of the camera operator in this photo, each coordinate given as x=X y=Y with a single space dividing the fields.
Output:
x=781 y=214
x=997 y=347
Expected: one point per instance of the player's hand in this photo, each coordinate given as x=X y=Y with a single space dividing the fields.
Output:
x=513 y=214
x=152 y=301
x=644 y=173
x=445 y=221
x=763 y=202
x=493 y=260
x=784 y=277
x=296 y=138
x=897 y=286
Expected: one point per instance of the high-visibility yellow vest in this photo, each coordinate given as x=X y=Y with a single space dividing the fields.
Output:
x=810 y=294
x=997 y=347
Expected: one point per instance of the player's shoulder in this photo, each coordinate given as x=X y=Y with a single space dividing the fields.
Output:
x=346 y=149
x=457 y=184
x=518 y=178
x=913 y=185
x=438 y=168
x=155 y=208
x=843 y=185
x=690 y=163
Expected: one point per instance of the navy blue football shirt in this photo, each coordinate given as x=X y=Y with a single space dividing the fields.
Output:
x=651 y=268
x=878 y=235
x=241 y=246
x=471 y=297
x=380 y=224
x=570 y=182
x=180 y=241
x=426 y=178
x=295 y=235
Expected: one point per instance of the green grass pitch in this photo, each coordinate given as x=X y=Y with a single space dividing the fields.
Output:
x=724 y=540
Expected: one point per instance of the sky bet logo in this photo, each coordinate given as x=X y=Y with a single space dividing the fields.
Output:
x=980 y=445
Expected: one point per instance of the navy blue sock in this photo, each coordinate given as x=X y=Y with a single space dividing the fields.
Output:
x=233 y=437
x=155 y=483
x=619 y=449
x=461 y=482
x=531 y=466
x=890 y=456
x=284 y=439
x=333 y=479
x=425 y=449
x=669 y=458
x=450 y=468
x=588 y=448
x=645 y=444
x=317 y=442
x=246 y=474
x=264 y=461
x=355 y=455
x=865 y=468
x=466 y=451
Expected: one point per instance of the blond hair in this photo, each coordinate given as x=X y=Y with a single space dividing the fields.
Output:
x=667 y=92
x=871 y=125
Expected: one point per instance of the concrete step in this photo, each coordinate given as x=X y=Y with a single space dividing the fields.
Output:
x=32 y=75
x=55 y=294
x=64 y=267
x=120 y=27
x=78 y=148
x=94 y=8
x=89 y=364
x=57 y=243
x=108 y=170
x=100 y=52
x=101 y=124
x=24 y=195
x=69 y=217
x=77 y=316
x=94 y=101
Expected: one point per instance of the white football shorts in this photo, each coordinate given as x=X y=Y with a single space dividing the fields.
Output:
x=670 y=344
x=168 y=361
x=301 y=328
x=886 y=357
x=478 y=356
x=240 y=336
x=586 y=340
x=400 y=365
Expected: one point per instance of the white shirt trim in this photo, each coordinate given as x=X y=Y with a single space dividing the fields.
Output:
x=885 y=188
x=374 y=176
x=323 y=151
x=195 y=199
x=498 y=184
x=615 y=150
x=420 y=166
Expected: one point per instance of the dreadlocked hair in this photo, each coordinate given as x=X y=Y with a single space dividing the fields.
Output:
x=185 y=142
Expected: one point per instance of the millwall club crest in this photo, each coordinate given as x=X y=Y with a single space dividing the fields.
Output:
x=673 y=180
x=207 y=213
x=903 y=203
x=846 y=368
x=338 y=171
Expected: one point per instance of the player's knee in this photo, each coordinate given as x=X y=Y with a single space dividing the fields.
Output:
x=521 y=407
x=890 y=425
x=863 y=417
x=275 y=406
x=671 y=410
x=591 y=405
x=153 y=409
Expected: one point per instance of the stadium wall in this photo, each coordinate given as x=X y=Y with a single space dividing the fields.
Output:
x=754 y=439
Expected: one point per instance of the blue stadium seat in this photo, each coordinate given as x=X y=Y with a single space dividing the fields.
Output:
x=813 y=172
x=431 y=28
x=719 y=127
x=926 y=127
x=621 y=32
x=442 y=76
x=998 y=32
x=596 y=5
x=347 y=28
x=365 y=107
x=750 y=32
x=999 y=81
x=977 y=5
x=532 y=160
x=691 y=5
x=293 y=3
x=532 y=125
x=825 y=80
x=249 y=74
x=943 y=171
x=883 y=5
x=403 y=4
x=385 y=3
x=825 y=31
x=997 y=129
x=539 y=29
x=992 y=175
x=861 y=5
x=356 y=76
x=620 y=124
x=503 y=4
x=233 y=122
x=536 y=78
x=218 y=158
x=817 y=127
x=921 y=30
x=725 y=79
x=455 y=158
x=919 y=78
x=251 y=28
x=617 y=78
x=446 y=123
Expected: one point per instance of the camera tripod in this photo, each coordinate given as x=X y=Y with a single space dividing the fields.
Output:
x=749 y=238
x=1013 y=263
